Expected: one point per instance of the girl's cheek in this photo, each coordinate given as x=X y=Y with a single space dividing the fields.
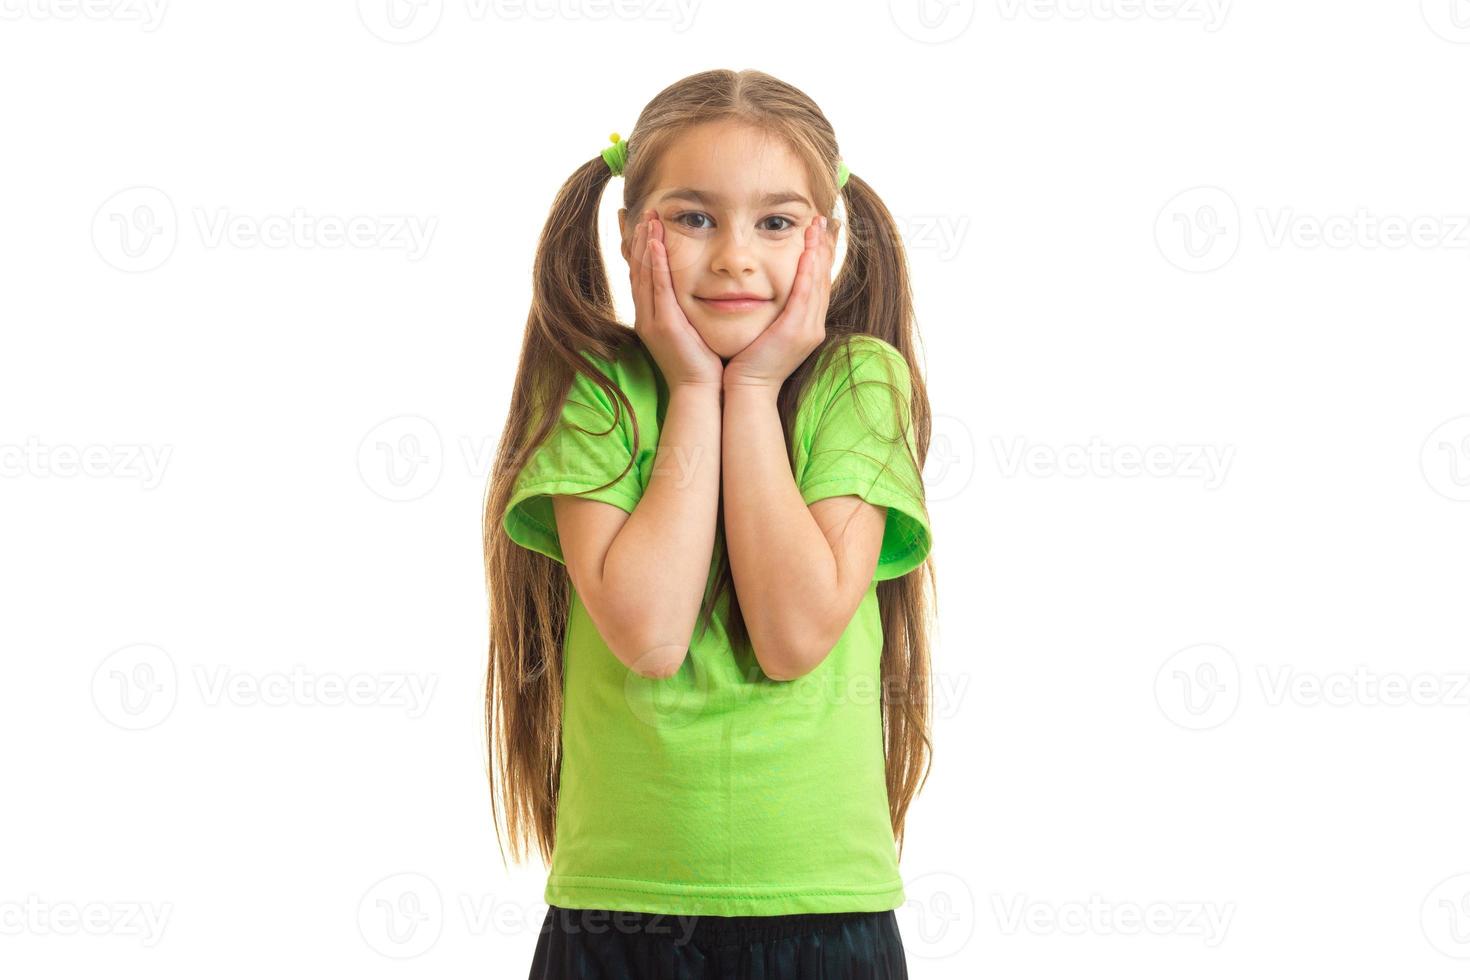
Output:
x=681 y=255
x=788 y=274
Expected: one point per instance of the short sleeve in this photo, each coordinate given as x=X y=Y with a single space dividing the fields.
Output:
x=856 y=437
x=590 y=445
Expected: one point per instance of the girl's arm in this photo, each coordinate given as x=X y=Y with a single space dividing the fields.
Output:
x=800 y=571
x=642 y=575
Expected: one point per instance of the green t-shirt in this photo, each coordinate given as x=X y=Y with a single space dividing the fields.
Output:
x=719 y=791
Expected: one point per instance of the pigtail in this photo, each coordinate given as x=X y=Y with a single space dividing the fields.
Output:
x=529 y=593
x=872 y=296
x=569 y=278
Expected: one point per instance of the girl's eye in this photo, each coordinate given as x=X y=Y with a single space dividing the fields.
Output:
x=687 y=217
x=680 y=219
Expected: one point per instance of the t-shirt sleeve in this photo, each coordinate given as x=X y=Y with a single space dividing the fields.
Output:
x=589 y=446
x=858 y=439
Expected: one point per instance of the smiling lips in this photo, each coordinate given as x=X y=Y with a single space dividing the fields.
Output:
x=733 y=302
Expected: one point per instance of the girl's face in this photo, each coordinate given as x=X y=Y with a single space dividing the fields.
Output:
x=734 y=204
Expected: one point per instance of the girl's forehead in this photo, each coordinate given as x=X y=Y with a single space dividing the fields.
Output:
x=730 y=166
x=721 y=143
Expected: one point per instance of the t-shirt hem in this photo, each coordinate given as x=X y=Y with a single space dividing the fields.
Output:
x=900 y=556
x=590 y=487
x=628 y=895
x=528 y=532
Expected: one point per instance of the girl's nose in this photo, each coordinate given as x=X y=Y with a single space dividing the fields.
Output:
x=732 y=253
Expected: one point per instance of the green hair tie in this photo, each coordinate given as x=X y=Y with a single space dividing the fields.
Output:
x=616 y=155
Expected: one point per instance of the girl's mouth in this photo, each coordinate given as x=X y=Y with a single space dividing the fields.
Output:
x=733 y=305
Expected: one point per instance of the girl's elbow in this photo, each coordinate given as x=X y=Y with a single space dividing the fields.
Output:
x=658 y=661
x=639 y=643
x=793 y=660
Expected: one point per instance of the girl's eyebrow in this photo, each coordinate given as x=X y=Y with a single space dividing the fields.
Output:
x=707 y=198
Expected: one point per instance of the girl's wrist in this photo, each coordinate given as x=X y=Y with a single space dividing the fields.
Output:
x=698 y=392
x=696 y=386
x=746 y=388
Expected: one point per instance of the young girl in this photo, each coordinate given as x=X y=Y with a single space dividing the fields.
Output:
x=706 y=548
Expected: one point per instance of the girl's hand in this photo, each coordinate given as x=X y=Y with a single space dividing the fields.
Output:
x=802 y=326
x=677 y=348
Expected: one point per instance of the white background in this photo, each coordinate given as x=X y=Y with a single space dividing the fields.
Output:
x=1229 y=698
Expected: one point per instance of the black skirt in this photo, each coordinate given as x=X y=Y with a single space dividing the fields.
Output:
x=599 y=944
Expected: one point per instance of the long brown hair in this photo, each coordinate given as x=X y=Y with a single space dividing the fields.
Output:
x=572 y=311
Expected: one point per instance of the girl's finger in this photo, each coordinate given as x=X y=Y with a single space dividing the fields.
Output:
x=645 y=263
x=634 y=246
x=635 y=253
x=665 y=273
x=805 y=269
x=657 y=304
x=663 y=280
x=829 y=255
x=817 y=243
x=796 y=303
x=822 y=281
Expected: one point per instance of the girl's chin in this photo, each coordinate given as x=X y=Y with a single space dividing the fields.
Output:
x=729 y=336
